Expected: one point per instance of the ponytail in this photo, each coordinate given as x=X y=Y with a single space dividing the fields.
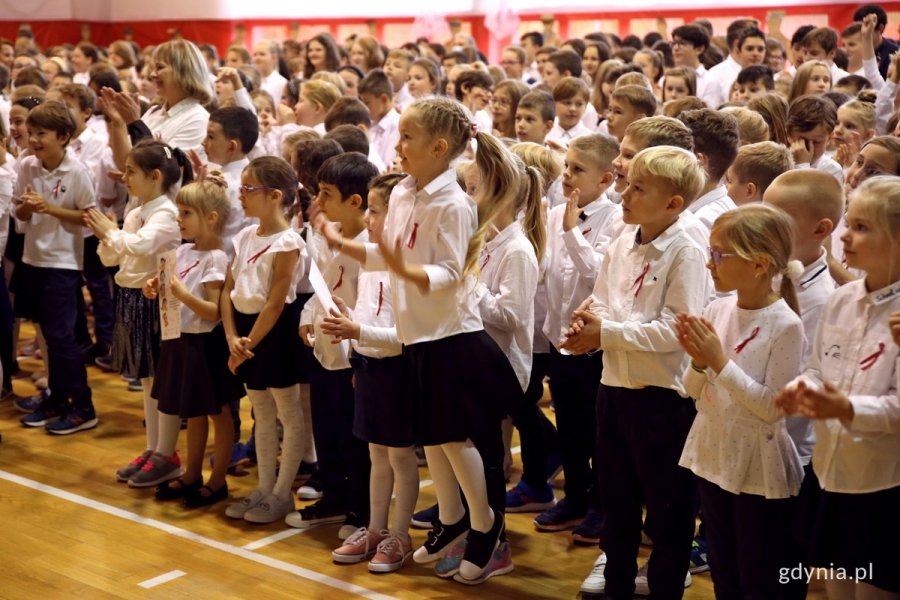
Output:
x=534 y=225
x=151 y=155
x=789 y=293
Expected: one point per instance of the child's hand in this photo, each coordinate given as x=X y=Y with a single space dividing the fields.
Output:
x=787 y=400
x=234 y=363
x=265 y=123
x=699 y=339
x=340 y=327
x=201 y=169
x=867 y=31
x=240 y=348
x=285 y=114
x=151 y=288
x=894 y=320
x=99 y=223
x=584 y=333
x=230 y=75
x=573 y=211
x=555 y=146
x=826 y=402
x=894 y=68
x=847 y=152
x=33 y=200
x=179 y=290
x=801 y=152
x=307 y=332
x=328 y=229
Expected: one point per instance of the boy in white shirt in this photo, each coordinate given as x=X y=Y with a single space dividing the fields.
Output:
x=815 y=201
x=343 y=458
x=650 y=273
x=580 y=232
x=754 y=169
x=231 y=134
x=352 y=112
x=376 y=93
x=716 y=141
x=571 y=95
x=811 y=120
x=396 y=67
x=54 y=188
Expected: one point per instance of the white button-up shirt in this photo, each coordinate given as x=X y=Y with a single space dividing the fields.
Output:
x=385 y=136
x=180 y=126
x=718 y=80
x=149 y=230
x=854 y=351
x=639 y=291
x=52 y=243
x=564 y=136
x=738 y=440
x=709 y=206
x=433 y=226
x=274 y=83
x=575 y=257
x=509 y=276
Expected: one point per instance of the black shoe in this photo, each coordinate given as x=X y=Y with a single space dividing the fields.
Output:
x=165 y=491
x=425 y=519
x=440 y=540
x=479 y=548
x=196 y=499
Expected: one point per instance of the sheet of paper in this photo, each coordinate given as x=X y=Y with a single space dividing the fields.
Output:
x=169 y=305
x=323 y=295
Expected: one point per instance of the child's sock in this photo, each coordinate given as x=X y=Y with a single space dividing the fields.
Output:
x=266 y=435
x=406 y=484
x=469 y=471
x=169 y=427
x=446 y=486
x=151 y=414
x=288 y=402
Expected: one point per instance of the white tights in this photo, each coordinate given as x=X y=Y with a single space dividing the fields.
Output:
x=268 y=405
x=458 y=465
x=393 y=468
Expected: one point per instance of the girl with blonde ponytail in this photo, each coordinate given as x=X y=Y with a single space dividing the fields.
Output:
x=457 y=376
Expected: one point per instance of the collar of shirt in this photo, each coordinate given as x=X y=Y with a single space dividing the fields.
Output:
x=436 y=184
x=881 y=296
x=595 y=205
x=664 y=239
x=148 y=208
x=68 y=163
x=174 y=111
x=813 y=272
x=713 y=195
x=235 y=167
x=501 y=238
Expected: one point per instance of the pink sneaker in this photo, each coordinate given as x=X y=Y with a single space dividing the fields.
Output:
x=392 y=554
x=360 y=546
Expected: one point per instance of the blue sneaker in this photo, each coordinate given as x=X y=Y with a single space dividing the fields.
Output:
x=41 y=417
x=73 y=422
x=559 y=518
x=699 y=563
x=588 y=533
x=425 y=519
x=500 y=564
x=30 y=404
x=524 y=498
x=448 y=566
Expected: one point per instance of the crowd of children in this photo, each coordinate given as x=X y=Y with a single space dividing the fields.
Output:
x=696 y=239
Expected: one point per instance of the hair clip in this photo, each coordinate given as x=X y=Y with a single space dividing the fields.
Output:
x=168 y=152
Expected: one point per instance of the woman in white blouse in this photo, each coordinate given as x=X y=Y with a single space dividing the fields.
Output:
x=746 y=347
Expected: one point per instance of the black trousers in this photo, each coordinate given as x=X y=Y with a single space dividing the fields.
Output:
x=640 y=436
x=573 y=383
x=745 y=536
x=344 y=463
x=537 y=435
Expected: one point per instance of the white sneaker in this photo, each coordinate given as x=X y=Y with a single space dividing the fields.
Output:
x=642 y=588
x=237 y=510
x=308 y=492
x=595 y=582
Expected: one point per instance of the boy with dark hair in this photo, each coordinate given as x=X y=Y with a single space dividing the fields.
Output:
x=562 y=63
x=822 y=44
x=811 y=121
x=53 y=190
x=231 y=134
x=535 y=116
x=716 y=142
x=351 y=139
x=753 y=81
x=376 y=92
x=884 y=47
x=747 y=46
x=351 y=112
x=343 y=458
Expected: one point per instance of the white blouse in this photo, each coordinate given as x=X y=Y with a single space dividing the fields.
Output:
x=196 y=268
x=738 y=440
x=509 y=274
x=149 y=230
x=253 y=266
x=855 y=352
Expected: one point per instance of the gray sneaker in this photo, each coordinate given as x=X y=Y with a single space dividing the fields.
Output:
x=156 y=469
x=125 y=473
x=270 y=509
x=237 y=510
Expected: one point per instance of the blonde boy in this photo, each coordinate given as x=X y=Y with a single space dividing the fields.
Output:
x=651 y=272
x=754 y=169
x=627 y=104
x=396 y=67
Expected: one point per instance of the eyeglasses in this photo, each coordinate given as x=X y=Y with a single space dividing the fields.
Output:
x=681 y=43
x=717 y=257
x=249 y=189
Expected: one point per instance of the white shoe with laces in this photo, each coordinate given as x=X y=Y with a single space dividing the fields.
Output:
x=595 y=582
x=642 y=588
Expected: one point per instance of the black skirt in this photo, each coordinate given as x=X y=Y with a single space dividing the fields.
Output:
x=859 y=533
x=274 y=362
x=192 y=377
x=381 y=414
x=459 y=387
x=136 y=336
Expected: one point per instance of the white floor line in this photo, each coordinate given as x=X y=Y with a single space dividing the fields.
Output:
x=425 y=483
x=164 y=578
x=275 y=537
x=189 y=535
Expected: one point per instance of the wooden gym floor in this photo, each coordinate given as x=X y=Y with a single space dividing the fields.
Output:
x=69 y=530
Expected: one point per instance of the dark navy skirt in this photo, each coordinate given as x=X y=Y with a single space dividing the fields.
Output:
x=381 y=414
x=274 y=362
x=136 y=336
